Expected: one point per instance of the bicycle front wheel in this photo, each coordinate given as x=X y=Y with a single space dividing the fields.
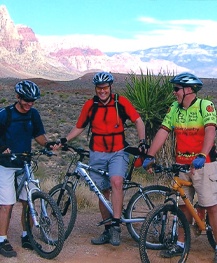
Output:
x=67 y=203
x=209 y=234
x=159 y=235
x=46 y=237
x=141 y=203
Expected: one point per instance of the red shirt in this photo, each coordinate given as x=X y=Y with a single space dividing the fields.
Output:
x=107 y=126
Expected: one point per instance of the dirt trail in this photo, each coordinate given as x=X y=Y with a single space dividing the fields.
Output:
x=78 y=249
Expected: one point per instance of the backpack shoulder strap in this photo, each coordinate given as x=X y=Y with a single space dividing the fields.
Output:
x=94 y=110
x=200 y=109
x=9 y=116
x=120 y=110
x=7 y=122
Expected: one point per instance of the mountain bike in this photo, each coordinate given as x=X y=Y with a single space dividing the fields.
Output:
x=141 y=202
x=43 y=218
x=159 y=232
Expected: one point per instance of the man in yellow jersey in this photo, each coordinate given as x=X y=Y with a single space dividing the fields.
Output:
x=194 y=123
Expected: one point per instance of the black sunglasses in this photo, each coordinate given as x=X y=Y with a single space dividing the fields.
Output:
x=176 y=89
x=28 y=100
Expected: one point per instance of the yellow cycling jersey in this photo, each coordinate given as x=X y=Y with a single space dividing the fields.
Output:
x=189 y=127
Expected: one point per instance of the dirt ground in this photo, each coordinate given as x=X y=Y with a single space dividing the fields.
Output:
x=77 y=247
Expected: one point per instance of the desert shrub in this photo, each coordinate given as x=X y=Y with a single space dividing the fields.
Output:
x=3 y=100
x=85 y=198
x=152 y=95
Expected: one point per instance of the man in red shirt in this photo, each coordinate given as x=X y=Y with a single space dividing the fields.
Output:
x=107 y=145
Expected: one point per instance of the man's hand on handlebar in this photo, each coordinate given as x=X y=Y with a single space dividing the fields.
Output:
x=56 y=145
x=143 y=147
x=4 y=149
x=148 y=163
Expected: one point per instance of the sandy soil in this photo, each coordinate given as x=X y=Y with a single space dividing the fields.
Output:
x=77 y=247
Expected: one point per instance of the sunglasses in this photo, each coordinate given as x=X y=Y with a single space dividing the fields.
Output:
x=28 y=100
x=176 y=89
x=102 y=88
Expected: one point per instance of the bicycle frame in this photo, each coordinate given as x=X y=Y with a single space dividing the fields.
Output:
x=177 y=186
x=26 y=179
x=82 y=169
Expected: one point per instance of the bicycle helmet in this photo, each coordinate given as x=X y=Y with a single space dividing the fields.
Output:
x=103 y=77
x=187 y=80
x=27 y=90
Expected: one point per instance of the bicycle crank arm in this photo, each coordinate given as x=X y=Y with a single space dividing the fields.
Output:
x=104 y=221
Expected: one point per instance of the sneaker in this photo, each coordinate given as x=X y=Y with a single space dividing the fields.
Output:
x=173 y=252
x=102 y=239
x=7 y=250
x=115 y=232
x=215 y=257
x=26 y=243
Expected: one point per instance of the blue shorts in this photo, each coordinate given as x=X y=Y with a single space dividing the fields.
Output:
x=115 y=163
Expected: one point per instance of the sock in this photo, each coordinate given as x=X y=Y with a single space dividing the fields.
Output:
x=115 y=221
x=2 y=238
x=107 y=227
x=24 y=233
x=181 y=244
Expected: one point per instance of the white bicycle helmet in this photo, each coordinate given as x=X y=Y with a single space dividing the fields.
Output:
x=188 y=80
x=103 y=77
x=27 y=90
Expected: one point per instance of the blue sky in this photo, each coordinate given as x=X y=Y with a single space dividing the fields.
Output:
x=120 y=25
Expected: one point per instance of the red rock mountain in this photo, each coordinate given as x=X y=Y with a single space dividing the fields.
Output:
x=23 y=55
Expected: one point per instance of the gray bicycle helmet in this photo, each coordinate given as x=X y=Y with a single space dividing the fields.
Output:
x=103 y=77
x=187 y=80
x=27 y=90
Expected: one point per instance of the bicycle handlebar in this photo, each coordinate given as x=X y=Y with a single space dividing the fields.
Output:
x=25 y=155
x=85 y=153
x=174 y=168
x=80 y=151
x=134 y=151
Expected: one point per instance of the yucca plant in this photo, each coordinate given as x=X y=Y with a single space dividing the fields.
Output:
x=151 y=95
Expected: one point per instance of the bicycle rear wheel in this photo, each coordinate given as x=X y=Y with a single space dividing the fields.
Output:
x=67 y=203
x=159 y=233
x=47 y=238
x=141 y=203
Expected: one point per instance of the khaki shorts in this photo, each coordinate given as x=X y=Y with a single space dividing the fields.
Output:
x=204 y=184
x=7 y=186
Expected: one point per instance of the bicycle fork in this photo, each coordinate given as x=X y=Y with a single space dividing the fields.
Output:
x=32 y=210
x=175 y=225
x=62 y=191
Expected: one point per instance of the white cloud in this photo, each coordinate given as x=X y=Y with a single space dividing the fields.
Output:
x=169 y=32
